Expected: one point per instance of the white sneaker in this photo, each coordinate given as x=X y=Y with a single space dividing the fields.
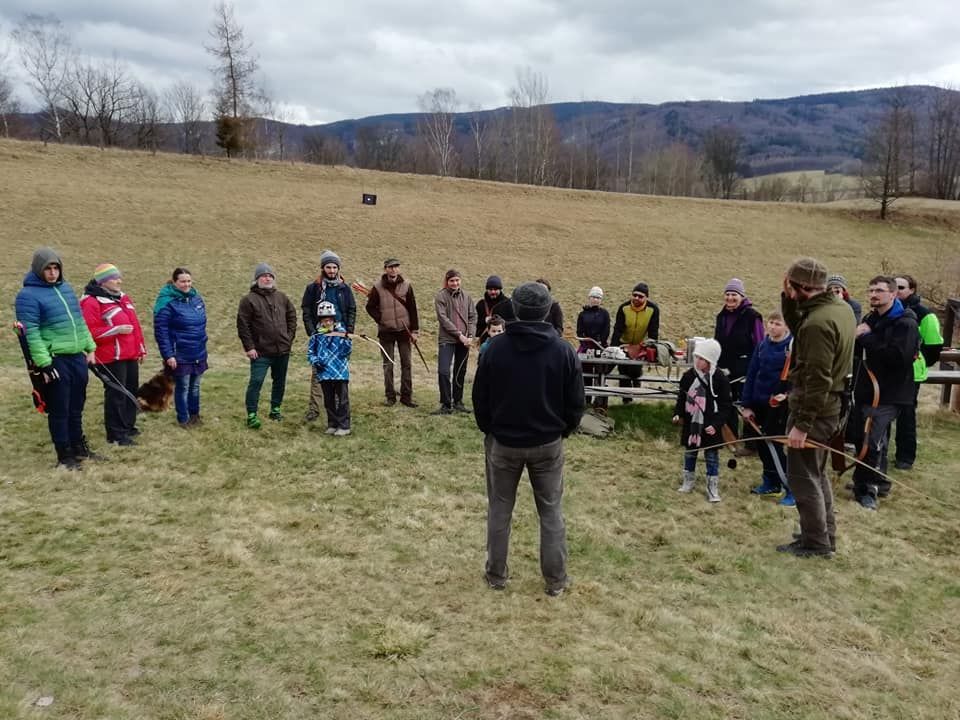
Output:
x=341 y=432
x=330 y=431
x=713 y=489
x=689 y=482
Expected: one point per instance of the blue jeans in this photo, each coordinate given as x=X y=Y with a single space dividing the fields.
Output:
x=712 y=456
x=186 y=396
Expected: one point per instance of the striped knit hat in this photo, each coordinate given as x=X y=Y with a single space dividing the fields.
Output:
x=104 y=272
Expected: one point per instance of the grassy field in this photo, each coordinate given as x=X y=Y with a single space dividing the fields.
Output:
x=226 y=573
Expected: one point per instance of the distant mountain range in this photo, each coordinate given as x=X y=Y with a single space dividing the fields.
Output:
x=809 y=132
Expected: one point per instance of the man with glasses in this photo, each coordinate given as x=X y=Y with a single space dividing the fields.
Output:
x=931 y=343
x=888 y=341
x=822 y=326
x=637 y=320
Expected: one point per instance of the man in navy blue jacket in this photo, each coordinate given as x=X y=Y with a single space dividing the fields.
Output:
x=527 y=397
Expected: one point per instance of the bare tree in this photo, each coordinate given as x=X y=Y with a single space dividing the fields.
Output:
x=943 y=145
x=8 y=101
x=533 y=130
x=885 y=169
x=479 y=126
x=45 y=51
x=146 y=118
x=186 y=107
x=234 y=74
x=437 y=125
x=323 y=149
x=721 y=154
x=8 y=104
x=101 y=98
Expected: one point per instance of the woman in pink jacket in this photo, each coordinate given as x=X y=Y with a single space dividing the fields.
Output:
x=112 y=319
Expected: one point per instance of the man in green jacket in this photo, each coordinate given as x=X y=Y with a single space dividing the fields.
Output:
x=931 y=343
x=60 y=347
x=266 y=324
x=821 y=360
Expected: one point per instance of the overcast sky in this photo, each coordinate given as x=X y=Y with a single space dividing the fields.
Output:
x=331 y=59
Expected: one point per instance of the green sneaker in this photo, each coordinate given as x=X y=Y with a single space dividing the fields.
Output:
x=253 y=422
x=275 y=414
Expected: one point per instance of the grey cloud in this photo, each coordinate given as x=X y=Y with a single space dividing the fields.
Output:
x=341 y=59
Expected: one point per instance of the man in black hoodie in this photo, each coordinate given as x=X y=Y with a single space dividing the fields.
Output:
x=527 y=397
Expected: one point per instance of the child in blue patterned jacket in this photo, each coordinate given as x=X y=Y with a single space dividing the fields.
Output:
x=329 y=354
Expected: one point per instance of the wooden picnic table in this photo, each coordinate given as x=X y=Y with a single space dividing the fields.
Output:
x=661 y=381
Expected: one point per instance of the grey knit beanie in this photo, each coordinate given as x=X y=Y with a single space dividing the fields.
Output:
x=263 y=269
x=329 y=256
x=531 y=301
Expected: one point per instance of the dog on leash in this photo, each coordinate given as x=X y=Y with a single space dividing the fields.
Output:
x=155 y=394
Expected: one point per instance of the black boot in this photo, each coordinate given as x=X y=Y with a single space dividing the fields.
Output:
x=66 y=459
x=82 y=451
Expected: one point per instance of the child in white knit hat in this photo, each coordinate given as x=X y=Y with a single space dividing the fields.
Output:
x=703 y=407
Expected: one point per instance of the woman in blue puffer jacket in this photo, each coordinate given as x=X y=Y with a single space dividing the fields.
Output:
x=180 y=327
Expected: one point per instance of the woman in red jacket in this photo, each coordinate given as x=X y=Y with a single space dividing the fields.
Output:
x=112 y=319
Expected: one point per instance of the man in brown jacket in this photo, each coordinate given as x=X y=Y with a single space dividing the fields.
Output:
x=457 y=317
x=393 y=307
x=266 y=324
x=821 y=361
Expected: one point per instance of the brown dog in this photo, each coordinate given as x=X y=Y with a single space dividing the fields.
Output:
x=155 y=394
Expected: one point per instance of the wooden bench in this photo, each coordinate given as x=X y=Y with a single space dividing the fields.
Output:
x=943 y=377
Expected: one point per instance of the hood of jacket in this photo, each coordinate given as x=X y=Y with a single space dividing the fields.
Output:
x=530 y=335
x=169 y=293
x=43 y=257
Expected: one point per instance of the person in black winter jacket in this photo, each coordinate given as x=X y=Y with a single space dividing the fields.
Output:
x=490 y=304
x=527 y=397
x=329 y=286
x=593 y=329
x=888 y=342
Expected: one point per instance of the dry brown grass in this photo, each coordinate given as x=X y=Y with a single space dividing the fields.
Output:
x=232 y=574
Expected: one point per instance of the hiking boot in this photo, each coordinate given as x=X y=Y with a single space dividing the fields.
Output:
x=868 y=502
x=408 y=403
x=82 y=451
x=311 y=416
x=713 y=488
x=275 y=414
x=253 y=422
x=832 y=538
x=195 y=420
x=390 y=402
x=798 y=549
x=689 y=482
x=66 y=459
x=443 y=410
x=903 y=465
x=767 y=488
x=134 y=431
x=557 y=590
x=341 y=432
x=121 y=442
x=460 y=408
x=495 y=584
